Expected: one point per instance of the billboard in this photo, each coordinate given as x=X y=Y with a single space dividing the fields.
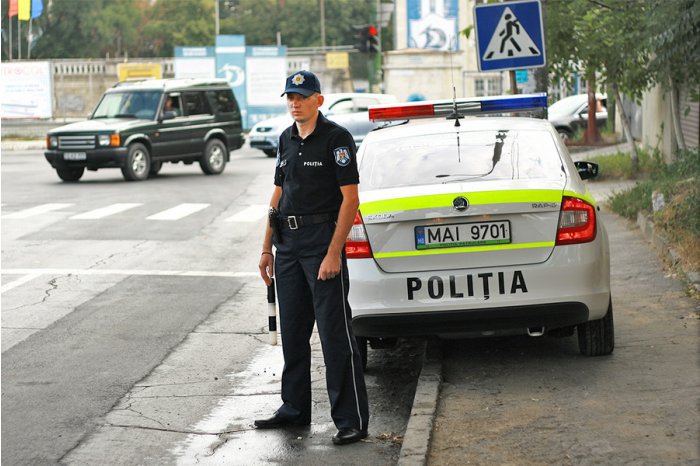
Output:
x=25 y=90
x=433 y=24
x=230 y=65
x=195 y=62
x=266 y=71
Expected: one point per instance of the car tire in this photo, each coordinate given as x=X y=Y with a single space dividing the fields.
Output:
x=270 y=152
x=597 y=337
x=362 y=344
x=155 y=168
x=71 y=174
x=138 y=163
x=564 y=134
x=213 y=161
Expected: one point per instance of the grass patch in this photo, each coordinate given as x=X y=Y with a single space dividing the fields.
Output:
x=678 y=182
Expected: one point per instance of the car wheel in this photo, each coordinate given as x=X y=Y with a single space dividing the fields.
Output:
x=362 y=344
x=138 y=163
x=597 y=337
x=70 y=175
x=270 y=152
x=155 y=168
x=564 y=134
x=214 y=160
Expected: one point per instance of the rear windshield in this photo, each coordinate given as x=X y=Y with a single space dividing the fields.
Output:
x=458 y=157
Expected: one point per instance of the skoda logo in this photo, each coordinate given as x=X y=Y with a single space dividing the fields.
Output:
x=460 y=203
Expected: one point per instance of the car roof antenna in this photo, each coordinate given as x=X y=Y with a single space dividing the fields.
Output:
x=455 y=115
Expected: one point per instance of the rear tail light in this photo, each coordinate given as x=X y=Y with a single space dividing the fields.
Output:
x=576 y=222
x=356 y=245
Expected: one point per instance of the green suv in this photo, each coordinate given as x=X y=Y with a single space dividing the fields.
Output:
x=137 y=126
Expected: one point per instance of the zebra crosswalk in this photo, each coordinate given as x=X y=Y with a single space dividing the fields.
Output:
x=249 y=213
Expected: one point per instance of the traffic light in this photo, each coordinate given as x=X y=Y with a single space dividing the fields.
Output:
x=373 y=45
x=361 y=38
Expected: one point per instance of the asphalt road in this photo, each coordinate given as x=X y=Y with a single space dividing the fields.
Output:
x=134 y=325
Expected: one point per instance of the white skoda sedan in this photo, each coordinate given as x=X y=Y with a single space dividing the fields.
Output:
x=479 y=228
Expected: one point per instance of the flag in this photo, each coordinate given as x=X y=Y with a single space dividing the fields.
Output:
x=23 y=9
x=37 y=8
x=13 y=9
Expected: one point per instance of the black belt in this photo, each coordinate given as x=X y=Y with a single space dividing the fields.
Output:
x=294 y=222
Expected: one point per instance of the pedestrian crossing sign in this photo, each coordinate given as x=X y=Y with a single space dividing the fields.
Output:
x=509 y=35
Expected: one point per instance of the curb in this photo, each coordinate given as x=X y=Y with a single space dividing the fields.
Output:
x=666 y=251
x=416 y=441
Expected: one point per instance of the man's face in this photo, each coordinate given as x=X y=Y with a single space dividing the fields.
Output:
x=301 y=108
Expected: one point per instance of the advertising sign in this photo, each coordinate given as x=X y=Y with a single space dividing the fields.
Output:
x=25 y=90
x=266 y=70
x=433 y=24
x=139 y=71
x=195 y=62
x=230 y=65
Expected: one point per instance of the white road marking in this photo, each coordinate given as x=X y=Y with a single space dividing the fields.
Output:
x=105 y=211
x=38 y=210
x=18 y=282
x=249 y=214
x=178 y=212
x=30 y=274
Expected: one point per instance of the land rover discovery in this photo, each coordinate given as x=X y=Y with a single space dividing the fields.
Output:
x=138 y=126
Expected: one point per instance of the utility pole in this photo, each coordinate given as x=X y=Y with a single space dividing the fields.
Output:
x=323 y=23
x=216 y=18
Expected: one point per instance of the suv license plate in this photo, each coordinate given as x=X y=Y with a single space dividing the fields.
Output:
x=74 y=156
x=462 y=234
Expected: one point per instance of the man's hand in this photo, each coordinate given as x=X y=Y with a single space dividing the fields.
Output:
x=267 y=267
x=330 y=267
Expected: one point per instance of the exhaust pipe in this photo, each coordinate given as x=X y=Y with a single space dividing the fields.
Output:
x=535 y=331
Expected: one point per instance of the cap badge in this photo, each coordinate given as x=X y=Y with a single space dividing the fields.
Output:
x=298 y=79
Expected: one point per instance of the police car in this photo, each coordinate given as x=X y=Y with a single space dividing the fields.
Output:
x=476 y=227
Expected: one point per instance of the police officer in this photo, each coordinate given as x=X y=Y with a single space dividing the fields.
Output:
x=316 y=196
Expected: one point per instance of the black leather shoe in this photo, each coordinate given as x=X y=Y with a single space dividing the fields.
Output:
x=276 y=422
x=345 y=436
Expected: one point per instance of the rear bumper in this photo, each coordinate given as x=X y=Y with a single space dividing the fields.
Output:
x=494 y=321
x=571 y=287
x=95 y=158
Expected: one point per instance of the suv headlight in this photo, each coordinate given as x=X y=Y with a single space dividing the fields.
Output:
x=51 y=142
x=103 y=139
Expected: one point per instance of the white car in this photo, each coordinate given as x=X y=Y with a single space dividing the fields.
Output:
x=349 y=110
x=477 y=229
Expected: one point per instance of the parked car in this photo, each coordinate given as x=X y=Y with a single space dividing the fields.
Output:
x=138 y=126
x=347 y=109
x=478 y=229
x=570 y=114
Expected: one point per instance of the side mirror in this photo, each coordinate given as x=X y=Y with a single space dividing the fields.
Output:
x=586 y=170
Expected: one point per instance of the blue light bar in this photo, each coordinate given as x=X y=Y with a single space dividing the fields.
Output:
x=468 y=106
x=514 y=103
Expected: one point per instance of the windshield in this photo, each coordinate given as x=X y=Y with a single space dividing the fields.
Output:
x=128 y=104
x=479 y=155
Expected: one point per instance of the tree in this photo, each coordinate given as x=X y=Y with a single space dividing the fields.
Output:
x=607 y=38
x=171 y=23
x=676 y=58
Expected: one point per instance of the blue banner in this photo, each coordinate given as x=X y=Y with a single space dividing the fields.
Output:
x=433 y=24
x=231 y=65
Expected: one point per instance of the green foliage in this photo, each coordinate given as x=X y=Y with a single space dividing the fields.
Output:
x=298 y=21
x=677 y=181
x=619 y=165
x=144 y=28
x=676 y=54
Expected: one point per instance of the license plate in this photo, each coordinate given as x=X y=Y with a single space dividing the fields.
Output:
x=74 y=156
x=462 y=234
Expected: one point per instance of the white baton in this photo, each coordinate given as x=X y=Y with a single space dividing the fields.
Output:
x=272 y=313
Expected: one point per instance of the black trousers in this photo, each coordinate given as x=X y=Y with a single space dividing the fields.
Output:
x=304 y=299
